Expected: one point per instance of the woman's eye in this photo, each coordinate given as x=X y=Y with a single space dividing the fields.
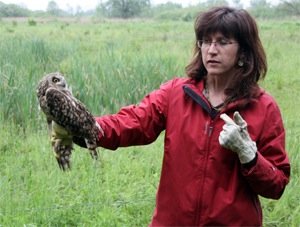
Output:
x=223 y=42
x=206 y=41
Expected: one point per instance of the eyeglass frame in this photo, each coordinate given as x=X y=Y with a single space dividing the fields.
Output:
x=217 y=44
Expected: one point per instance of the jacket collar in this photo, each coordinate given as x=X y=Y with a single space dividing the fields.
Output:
x=195 y=89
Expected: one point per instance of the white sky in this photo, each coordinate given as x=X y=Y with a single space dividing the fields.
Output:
x=91 y=4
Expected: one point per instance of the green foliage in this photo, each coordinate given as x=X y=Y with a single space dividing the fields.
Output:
x=12 y=10
x=110 y=64
x=123 y=8
x=14 y=23
x=158 y=9
x=291 y=7
x=32 y=22
x=91 y=67
x=53 y=8
x=110 y=192
x=179 y=14
x=263 y=9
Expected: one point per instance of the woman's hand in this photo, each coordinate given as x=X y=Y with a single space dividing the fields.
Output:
x=235 y=137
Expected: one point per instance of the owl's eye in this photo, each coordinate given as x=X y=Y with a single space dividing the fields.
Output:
x=55 y=80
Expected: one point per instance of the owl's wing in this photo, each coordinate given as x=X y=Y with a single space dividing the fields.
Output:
x=43 y=105
x=71 y=114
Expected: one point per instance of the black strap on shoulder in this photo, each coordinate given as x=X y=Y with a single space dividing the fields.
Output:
x=198 y=99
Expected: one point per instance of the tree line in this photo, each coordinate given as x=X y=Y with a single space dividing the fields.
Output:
x=145 y=9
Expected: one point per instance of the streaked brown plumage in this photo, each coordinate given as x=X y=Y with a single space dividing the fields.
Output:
x=66 y=117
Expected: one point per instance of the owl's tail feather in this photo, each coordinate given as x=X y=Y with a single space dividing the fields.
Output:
x=63 y=156
x=62 y=144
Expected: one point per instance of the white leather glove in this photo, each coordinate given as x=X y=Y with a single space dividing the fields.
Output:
x=235 y=137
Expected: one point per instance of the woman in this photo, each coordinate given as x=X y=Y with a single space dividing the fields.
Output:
x=224 y=136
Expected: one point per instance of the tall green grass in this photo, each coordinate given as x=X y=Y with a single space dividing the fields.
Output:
x=117 y=191
x=107 y=64
x=110 y=64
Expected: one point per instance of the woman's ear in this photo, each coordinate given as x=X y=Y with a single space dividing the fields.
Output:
x=241 y=59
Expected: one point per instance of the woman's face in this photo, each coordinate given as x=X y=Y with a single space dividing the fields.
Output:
x=219 y=54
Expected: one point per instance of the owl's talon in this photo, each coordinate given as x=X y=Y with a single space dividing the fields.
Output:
x=63 y=164
x=94 y=154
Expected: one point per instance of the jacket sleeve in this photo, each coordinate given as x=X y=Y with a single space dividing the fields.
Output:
x=136 y=124
x=269 y=176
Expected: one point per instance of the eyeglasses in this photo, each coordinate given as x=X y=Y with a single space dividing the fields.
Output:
x=221 y=43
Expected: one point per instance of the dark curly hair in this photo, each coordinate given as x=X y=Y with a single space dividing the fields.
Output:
x=239 y=25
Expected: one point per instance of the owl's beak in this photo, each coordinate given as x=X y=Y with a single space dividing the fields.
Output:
x=62 y=84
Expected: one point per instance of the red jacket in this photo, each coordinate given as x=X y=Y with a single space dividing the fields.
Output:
x=201 y=182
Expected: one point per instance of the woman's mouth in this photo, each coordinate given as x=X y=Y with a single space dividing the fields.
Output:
x=213 y=62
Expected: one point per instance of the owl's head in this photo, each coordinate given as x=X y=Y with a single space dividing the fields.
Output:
x=53 y=80
x=56 y=80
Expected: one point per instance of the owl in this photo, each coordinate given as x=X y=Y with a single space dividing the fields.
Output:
x=67 y=118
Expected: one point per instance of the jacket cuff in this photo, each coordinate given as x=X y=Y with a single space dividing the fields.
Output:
x=250 y=164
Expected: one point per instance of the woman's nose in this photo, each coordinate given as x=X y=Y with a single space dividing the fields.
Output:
x=212 y=48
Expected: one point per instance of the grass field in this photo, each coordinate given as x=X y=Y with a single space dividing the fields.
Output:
x=110 y=64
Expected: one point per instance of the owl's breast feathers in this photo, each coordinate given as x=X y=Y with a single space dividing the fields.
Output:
x=71 y=114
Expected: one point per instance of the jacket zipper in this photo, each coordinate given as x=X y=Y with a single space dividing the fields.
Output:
x=208 y=132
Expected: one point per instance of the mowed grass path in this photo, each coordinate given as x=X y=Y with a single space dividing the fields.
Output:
x=110 y=64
